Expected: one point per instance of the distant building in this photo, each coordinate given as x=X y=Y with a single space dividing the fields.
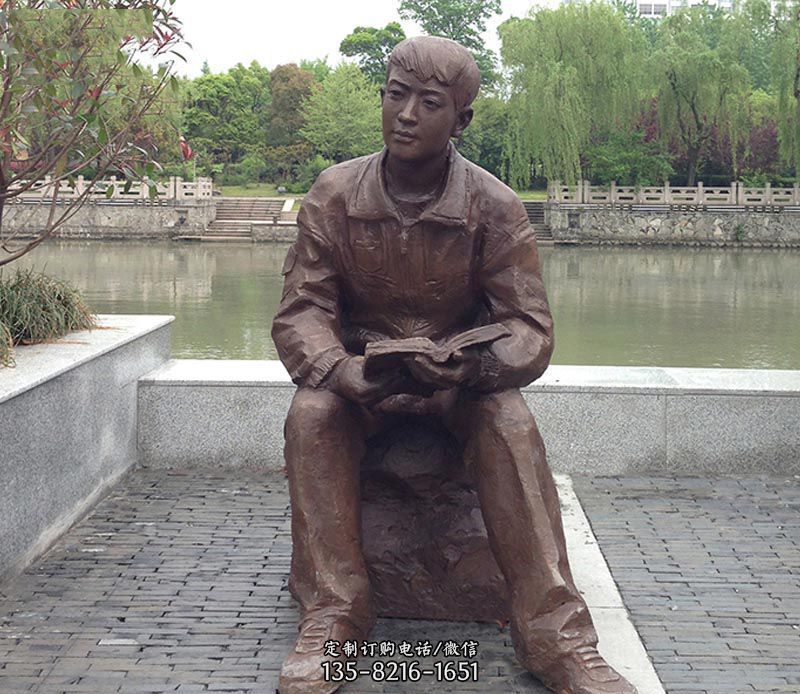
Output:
x=660 y=8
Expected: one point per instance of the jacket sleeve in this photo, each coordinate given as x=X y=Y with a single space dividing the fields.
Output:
x=306 y=329
x=515 y=296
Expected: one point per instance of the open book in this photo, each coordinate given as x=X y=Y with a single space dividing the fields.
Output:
x=389 y=354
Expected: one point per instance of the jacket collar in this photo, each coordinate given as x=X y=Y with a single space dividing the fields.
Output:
x=370 y=199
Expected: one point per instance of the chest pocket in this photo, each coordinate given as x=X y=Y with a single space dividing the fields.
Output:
x=367 y=248
x=448 y=257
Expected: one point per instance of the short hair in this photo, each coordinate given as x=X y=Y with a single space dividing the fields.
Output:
x=449 y=62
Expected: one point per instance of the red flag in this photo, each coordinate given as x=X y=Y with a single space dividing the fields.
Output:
x=186 y=151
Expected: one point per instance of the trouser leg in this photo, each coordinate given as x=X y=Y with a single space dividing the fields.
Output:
x=324 y=447
x=520 y=506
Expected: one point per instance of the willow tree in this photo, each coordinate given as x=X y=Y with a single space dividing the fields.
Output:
x=786 y=81
x=700 y=81
x=576 y=73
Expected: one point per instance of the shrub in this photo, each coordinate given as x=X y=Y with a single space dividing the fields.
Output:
x=36 y=308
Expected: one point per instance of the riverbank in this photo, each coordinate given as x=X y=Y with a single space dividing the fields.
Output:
x=590 y=224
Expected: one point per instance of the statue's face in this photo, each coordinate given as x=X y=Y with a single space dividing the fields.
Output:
x=419 y=118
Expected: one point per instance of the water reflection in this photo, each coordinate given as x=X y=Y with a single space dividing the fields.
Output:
x=669 y=307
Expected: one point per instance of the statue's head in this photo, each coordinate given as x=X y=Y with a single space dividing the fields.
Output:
x=430 y=84
x=448 y=62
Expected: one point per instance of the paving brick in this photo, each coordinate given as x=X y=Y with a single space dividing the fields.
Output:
x=717 y=603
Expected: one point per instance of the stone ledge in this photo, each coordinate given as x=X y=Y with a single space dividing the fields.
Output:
x=600 y=420
x=36 y=364
x=558 y=378
x=68 y=428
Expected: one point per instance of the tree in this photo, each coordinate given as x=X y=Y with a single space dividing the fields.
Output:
x=343 y=119
x=576 y=74
x=226 y=115
x=460 y=20
x=786 y=70
x=290 y=86
x=63 y=71
x=700 y=83
x=627 y=159
x=319 y=67
x=484 y=139
x=371 y=47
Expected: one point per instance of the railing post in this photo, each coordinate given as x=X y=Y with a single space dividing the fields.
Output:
x=739 y=200
x=796 y=193
x=667 y=193
x=613 y=192
x=178 y=188
x=768 y=194
x=80 y=186
x=699 y=196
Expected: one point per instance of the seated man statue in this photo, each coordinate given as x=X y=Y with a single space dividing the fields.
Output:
x=416 y=242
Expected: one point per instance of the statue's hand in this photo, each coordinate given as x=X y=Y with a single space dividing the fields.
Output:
x=348 y=381
x=459 y=370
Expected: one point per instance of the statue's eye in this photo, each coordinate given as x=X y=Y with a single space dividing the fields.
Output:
x=431 y=103
x=395 y=93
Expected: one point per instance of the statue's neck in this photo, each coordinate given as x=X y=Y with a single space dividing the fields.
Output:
x=406 y=179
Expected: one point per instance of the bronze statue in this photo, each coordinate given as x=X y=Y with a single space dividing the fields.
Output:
x=410 y=243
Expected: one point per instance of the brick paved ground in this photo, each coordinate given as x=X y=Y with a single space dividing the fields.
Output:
x=177 y=582
x=710 y=571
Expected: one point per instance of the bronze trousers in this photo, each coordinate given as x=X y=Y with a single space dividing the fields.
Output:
x=325 y=442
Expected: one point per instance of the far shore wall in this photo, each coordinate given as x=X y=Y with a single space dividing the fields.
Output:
x=115 y=221
x=570 y=223
x=641 y=225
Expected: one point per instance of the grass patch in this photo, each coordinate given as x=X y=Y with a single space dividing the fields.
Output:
x=254 y=190
x=37 y=308
x=532 y=194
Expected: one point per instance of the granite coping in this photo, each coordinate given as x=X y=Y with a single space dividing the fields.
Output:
x=36 y=364
x=557 y=378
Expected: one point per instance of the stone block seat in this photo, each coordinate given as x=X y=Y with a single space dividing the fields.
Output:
x=424 y=539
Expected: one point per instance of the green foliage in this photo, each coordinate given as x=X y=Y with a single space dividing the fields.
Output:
x=225 y=115
x=318 y=67
x=291 y=86
x=786 y=81
x=575 y=71
x=460 y=20
x=701 y=86
x=371 y=47
x=343 y=118
x=37 y=308
x=284 y=162
x=307 y=174
x=627 y=159
x=483 y=141
x=73 y=96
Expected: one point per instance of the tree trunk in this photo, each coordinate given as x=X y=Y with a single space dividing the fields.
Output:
x=693 y=158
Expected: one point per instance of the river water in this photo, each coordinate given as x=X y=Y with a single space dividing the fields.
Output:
x=661 y=306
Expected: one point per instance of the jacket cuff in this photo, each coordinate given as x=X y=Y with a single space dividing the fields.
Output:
x=323 y=365
x=488 y=375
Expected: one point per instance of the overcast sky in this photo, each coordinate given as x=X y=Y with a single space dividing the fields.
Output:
x=274 y=32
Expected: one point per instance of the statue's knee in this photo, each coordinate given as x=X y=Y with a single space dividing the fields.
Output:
x=312 y=410
x=505 y=411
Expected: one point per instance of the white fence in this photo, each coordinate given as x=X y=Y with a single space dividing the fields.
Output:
x=115 y=190
x=735 y=194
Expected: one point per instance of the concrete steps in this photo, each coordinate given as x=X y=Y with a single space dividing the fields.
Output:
x=235 y=216
x=535 y=210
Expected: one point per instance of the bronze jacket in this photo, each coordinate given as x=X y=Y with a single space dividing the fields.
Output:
x=358 y=271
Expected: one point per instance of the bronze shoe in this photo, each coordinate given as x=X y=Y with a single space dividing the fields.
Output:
x=584 y=671
x=302 y=671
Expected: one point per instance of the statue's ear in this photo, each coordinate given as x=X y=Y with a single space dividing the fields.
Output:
x=463 y=120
